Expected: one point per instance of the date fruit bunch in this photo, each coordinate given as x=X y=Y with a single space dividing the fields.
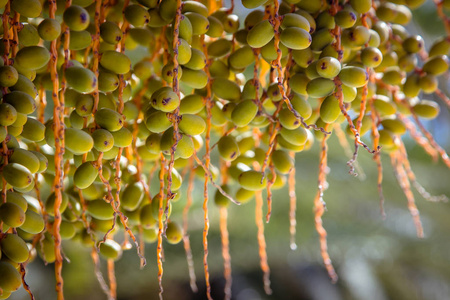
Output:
x=110 y=108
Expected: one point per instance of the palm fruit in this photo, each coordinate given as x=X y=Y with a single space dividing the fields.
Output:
x=252 y=180
x=24 y=84
x=320 y=87
x=12 y=214
x=192 y=124
x=191 y=104
x=79 y=40
x=122 y=137
x=29 y=35
x=108 y=119
x=413 y=44
x=329 y=109
x=165 y=99
x=261 y=34
x=132 y=196
x=426 y=109
x=115 y=62
x=219 y=48
x=84 y=175
x=17 y=175
x=328 y=67
x=78 y=141
x=244 y=113
x=174 y=232
x=436 y=65
x=282 y=161
x=196 y=79
x=295 y=38
x=32 y=57
x=296 y=136
x=76 y=17
x=100 y=209
x=81 y=79
x=8 y=76
x=157 y=122
x=27 y=8
x=226 y=89
x=10 y=278
x=33 y=130
x=288 y=119
x=428 y=83
x=50 y=203
x=177 y=180
x=353 y=76
x=25 y=158
x=49 y=29
x=8 y=114
x=22 y=102
x=241 y=58
x=110 y=249
x=200 y=24
x=185 y=146
x=136 y=15
x=14 y=248
x=228 y=148
x=110 y=32
x=371 y=57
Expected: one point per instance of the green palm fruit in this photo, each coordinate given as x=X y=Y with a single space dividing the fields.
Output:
x=79 y=40
x=24 y=84
x=349 y=93
x=228 y=148
x=110 y=32
x=215 y=29
x=8 y=114
x=10 y=278
x=78 y=141
x=411 y=87
x=252 y=90
x=67 y=230
x=81 y=79
x=147 y=219
x=177 y=180
x=150 y=235
x=387 y=12
x=174 y=233
x=273 y=91
x=136 y=15
x=32 y=57
x=288 y=119
x=29 y=35
x=296 y=136
x=288 y=146
x=165 y=99
x=394 y=125
x=167 y=72
x=428 y=83
x=219 y=199
x=194 y=6
x=127 y=94
x=25 y=158
x=328 y=67
x=76 y=18
x=321 y=39
x=197 y=60
x=295 y=38
x=15 y=130
x=200 y=23
x=3 y=134
x=185 y=146
x=298 y=83
x=226 y=89
x=413 y=44
x=122 y=137
x=320 y=87
x=295 y=20
x=192 y=124
x=49 y=29
x=243 y=195
x=219 y=48
x=218 y=117
x=261 y=34
x=184 y=52
x=107 y=82
x=130 y=111
x=353 y=76
x=244 y=113
x=17 y=175
x=108 y=119
x=84 y=105
x=12 y=214
x=196 y=79
x=250 y=4
x=43 y=161
x=75 y=120
x=18 y=199
x=157 y=122
x=440 y=47
x=393 y=76
x=384 y=105
x=33 y=130
x=426 y=109
x=115 y=62
x=282 y=162
x=355 y=37
x=386 y=138
x=50 y=203
x=168 y=9
x=303 y=58
x=8 y=76
x=241 y=58
x=153 y=142
x=14 y=248
x=132 y=196
x=407 y=62
x=27 y=8
x=191 y=104
x=301 y=105
x=345 y=18
x=110 y=249
x=230 y=23
x=253 y=18
x=100 y=209
x=142 y=69
x=252 y=180
x=21 y=101
x=371 y=57
x=436 y=65
x=361 y=6
x=269 y=53
x=329 y=109
x=84 y=175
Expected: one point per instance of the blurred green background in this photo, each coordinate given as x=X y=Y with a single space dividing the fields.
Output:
x=375 y=259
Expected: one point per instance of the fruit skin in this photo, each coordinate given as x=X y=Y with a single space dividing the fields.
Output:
x=108 y=119
x=76 y=17
x=32 y=57
x=252 y=180
x=8 y=76
x=110 y=249
x=27 y=8
x=174 y=232
x=10 y=279
x=244 y=113
x=12 y=214
x=85 y=175
x=295 y=38
x=192 y=124
x=34 y=222
x=14 y=248
x=115 y=62
x=81 y=79
x=261 y=34
x=228 y=148
x=353 y=76
x=17 y=175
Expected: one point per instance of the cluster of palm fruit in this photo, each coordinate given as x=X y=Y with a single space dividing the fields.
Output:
x=86 y=172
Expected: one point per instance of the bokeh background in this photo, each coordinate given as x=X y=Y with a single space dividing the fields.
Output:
x=375 y=259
